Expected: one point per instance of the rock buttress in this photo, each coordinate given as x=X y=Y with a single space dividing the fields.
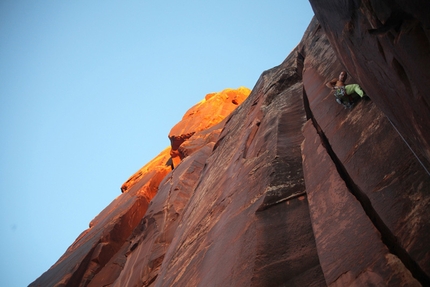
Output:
x=247 y=222
x=291 y=189
x=207 y=113
x=99 y=254
x=108 y=231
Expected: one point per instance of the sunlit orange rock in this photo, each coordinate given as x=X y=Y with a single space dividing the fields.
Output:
x=108 y=231
x=158 y=165
x=205 y=114
x=97 y=256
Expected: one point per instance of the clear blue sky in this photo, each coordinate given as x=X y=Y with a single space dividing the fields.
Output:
x=89 y=91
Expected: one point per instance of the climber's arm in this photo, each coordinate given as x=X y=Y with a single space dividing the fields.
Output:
x=331 y=84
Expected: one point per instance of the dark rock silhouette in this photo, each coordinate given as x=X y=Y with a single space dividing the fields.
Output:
x=290 y=189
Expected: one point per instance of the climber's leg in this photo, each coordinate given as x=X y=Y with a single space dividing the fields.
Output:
x=354 y=88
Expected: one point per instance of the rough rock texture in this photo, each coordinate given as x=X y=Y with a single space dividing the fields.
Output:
x=385 y=46
x=393 y=190
x=290 y=189
x=205 y=114
x=93 y=249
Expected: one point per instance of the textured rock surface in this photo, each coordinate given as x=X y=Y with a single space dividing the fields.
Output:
x=94 y=248
x=385 y=45
x=205 y=114
x=290 y=189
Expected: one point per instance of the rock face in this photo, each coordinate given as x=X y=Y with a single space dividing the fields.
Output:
x=385 y=46
x=205 y=114
x=290 y=189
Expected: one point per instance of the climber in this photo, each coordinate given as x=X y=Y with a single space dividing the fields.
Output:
x=344 y=93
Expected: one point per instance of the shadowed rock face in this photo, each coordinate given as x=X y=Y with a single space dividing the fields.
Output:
x=290 y=189
x=385 y=46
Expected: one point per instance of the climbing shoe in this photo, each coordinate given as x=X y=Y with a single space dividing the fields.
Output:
x=349 y=105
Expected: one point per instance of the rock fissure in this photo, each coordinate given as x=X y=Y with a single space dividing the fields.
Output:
x=387 y=236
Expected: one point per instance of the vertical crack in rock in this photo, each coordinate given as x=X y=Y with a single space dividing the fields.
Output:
x=387 y=236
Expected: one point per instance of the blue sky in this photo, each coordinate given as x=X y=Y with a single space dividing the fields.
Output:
x=89 y=91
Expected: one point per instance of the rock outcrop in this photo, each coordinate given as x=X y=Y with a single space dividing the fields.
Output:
x=287 y=188
x=210 y=111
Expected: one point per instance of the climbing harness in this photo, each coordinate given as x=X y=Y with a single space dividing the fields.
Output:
x=339 y=92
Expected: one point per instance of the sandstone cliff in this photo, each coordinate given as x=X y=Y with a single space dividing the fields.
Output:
x=286 y=188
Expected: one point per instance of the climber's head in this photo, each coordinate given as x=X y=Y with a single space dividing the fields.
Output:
x=342 y=76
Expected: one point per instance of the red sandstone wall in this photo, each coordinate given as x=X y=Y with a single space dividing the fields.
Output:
x=290 y=189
